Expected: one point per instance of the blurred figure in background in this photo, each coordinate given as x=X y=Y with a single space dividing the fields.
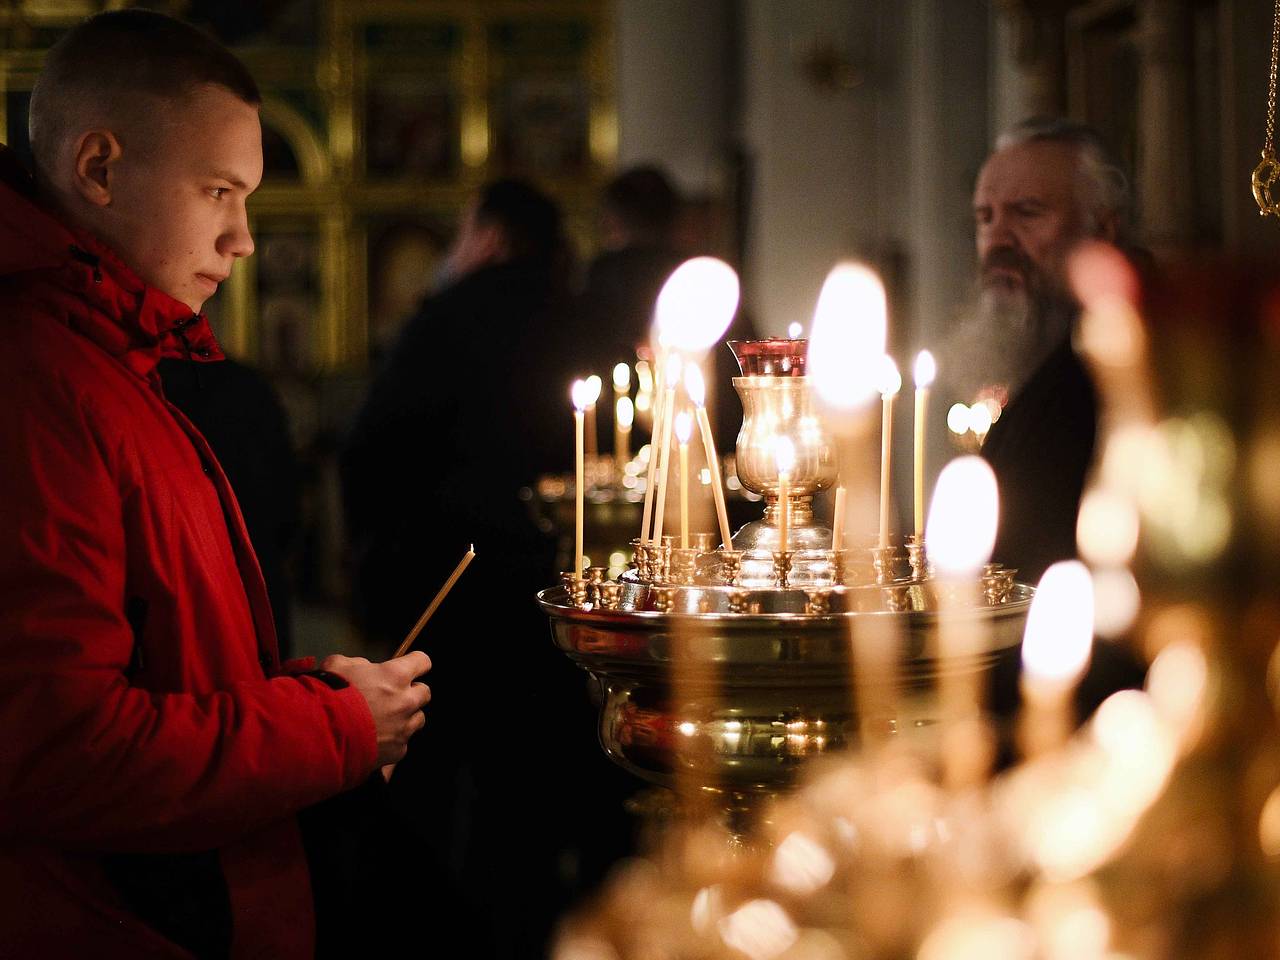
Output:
x=507 y=786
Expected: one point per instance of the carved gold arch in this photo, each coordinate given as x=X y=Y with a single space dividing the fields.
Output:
x=313 y=161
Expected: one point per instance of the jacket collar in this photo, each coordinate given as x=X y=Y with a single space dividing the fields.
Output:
x=82 y=282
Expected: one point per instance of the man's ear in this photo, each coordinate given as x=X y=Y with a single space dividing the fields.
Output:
x=491 y=243
x=96 y=153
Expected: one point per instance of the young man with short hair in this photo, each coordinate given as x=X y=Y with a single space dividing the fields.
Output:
x=154 y=750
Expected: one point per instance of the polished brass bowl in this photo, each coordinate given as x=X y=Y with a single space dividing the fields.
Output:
x=759 y=691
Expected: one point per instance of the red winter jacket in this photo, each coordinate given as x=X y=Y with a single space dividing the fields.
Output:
x=143 y=716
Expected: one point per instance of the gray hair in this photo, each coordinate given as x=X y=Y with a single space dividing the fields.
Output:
x=1103 y=188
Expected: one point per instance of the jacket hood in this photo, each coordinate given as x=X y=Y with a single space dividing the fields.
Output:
x=85 y=285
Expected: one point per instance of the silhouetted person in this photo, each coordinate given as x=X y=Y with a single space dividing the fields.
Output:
x=507 y=783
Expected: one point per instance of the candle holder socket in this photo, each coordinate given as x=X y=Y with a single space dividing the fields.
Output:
x=884 y=561
x=782 y=567
x=684 y=566
x=997 y=584
x=704 y=542
x=576 y=587
x=610 y=595
x=664 y=599
x=731 y=566
x=918 y=558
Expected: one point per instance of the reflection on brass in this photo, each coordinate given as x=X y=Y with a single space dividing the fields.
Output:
x=737 y=600
x=819 y=602
x=897 y=597
x=575 y=587
x=1264 y=176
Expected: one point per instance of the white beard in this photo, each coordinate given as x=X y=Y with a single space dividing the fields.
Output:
x=1000 y=339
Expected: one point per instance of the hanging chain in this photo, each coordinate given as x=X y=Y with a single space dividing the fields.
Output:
x=1268 y=171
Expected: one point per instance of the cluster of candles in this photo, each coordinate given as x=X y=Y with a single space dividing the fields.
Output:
x=693 y=311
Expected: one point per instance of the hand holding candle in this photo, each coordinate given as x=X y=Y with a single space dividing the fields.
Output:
x=890 y=384
x=926 y=369
x=697 y=390
x=684 y=430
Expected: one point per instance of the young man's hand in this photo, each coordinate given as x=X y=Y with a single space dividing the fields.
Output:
x=395 y=699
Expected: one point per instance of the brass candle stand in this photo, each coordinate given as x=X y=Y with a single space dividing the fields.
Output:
x=732 y=666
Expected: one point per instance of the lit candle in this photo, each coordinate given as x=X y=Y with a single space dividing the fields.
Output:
x=581 y=396
x=961 y=531
x=926 y=370
x=1055 y=652
x=696 y=387
x=623 y=414
x=889 y=387
x=684 y=430
x=784 y=452
x=672 y=378
x=837 y=521
x=594 y=385
x=651 y=475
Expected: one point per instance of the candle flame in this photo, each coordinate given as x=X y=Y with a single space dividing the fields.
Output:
x=958 y=419
x=846 y=340
x=1059 y=633
x=644 y=376
x=625 y=412
x=594 y=385
x=961 y=529
x=684 y=426
x=926 y=369
x=695 y=385
x=890 y=379
x=794 y=330
x=784 y=452
x=581 y=393
x=980 y=418
x=674 y=365
x=621 y=377
x=696 y=304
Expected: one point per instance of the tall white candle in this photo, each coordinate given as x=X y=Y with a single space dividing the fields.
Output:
x=684 y=430
x=664 y=442
x=926 y=369
x=651 y=475
x=837 y=520
x=697 y=390
x=594 y=385
x=890 y=386
x=581 y=392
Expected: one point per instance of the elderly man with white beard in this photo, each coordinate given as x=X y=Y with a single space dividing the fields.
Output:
x=1049 y=185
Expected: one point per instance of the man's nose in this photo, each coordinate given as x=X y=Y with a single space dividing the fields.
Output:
x=237 y=241
x=996 y=232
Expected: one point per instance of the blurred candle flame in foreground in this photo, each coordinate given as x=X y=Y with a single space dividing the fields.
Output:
x=926 y=369
x=784 y=452
x=621 y=377
x=847 y=339
x=696 y=304
x=581 y=393
x=1059 y=633
x=684 y=426
x=694 y=384
x=625 y=412
x=801 y=864
x=759 y=928
x=963 y=516
x=594 y=385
